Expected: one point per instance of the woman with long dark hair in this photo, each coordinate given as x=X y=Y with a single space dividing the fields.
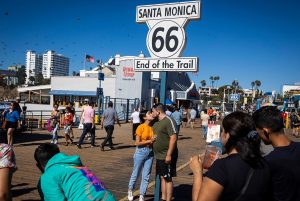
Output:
x=143 y=156
x=12 y=118
x=243 y=174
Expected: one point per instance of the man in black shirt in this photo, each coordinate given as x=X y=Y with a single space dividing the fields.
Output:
x=284 y=161
x=18 y=108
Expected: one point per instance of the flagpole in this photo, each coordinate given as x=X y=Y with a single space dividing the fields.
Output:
x=84 y=61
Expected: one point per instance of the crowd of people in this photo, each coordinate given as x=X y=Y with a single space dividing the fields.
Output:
x=244 y=174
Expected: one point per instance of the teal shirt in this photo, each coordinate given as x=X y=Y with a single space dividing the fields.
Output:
x=65 y=178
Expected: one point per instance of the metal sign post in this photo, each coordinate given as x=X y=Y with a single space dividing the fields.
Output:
x=100 y=93
x=165 y=41
x=234 y=98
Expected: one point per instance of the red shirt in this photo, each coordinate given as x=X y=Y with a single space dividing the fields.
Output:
x=68 y=118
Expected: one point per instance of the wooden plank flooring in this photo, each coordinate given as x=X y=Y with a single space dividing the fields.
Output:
x=113 y=167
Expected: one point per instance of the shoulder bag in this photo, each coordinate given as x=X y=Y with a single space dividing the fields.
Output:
x=242 y=192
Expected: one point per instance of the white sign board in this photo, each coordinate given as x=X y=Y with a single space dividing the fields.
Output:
x=189 y=9
x=213 y=133
x=166 y=36
x=234 y=97
x=168 y=64
x=166 y=39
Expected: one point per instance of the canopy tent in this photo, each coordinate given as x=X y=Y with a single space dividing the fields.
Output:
x=169 y=102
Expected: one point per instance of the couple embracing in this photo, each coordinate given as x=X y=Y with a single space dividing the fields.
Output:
x=155 y=136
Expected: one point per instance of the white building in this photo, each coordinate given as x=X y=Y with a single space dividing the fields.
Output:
x=33 y=64
x=248 y=92
x=121 y=84
x=10 y=80
x=291 y=89
x=55 y=64
x=208 y=91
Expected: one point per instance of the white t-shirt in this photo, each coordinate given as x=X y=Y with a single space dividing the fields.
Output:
x=135 y=116
x=204 y=118
x=193 y=114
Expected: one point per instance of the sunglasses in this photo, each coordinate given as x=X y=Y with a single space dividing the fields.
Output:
x=39 y=166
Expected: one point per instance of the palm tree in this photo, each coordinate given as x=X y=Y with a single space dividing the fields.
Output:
x=257 y=83
x=235 y=84
x=217 y=78
x=31 y=79
x=212 y=81
x=252 y=85
x=203 y=83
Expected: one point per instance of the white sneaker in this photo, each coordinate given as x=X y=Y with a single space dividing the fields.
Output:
x=141 y=198
x=130 y=195
x=55 y=142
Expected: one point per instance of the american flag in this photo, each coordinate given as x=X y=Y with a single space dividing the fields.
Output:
x=89 y=58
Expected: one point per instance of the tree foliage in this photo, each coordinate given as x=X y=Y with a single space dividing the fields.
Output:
x=47 y=81
x=21 y=75
x=203 y=83
x=39 y=79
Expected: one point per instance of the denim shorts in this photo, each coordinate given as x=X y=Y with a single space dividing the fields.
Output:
x=67 y=129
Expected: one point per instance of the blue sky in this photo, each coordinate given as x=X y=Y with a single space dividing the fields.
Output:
x=245 y=40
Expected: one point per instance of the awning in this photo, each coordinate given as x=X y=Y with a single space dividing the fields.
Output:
x=73 y=93
x=169 y=102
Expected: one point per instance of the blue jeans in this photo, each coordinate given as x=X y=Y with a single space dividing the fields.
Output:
x=143 y=159
x=178 y=129
x=54 y=133
x=87 y=127
x=204 y=131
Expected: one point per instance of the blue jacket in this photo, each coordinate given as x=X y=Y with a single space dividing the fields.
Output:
x=65 y=178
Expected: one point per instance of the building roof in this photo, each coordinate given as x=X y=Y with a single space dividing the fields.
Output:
x=73 y=93
x=181 y=82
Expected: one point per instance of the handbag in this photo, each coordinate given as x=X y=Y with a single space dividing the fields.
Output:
x=4 y=124
x=242 y=192
x=49 y=127
x=80 y=126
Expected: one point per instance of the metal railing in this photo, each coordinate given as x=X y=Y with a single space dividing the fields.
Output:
x=38 y=119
